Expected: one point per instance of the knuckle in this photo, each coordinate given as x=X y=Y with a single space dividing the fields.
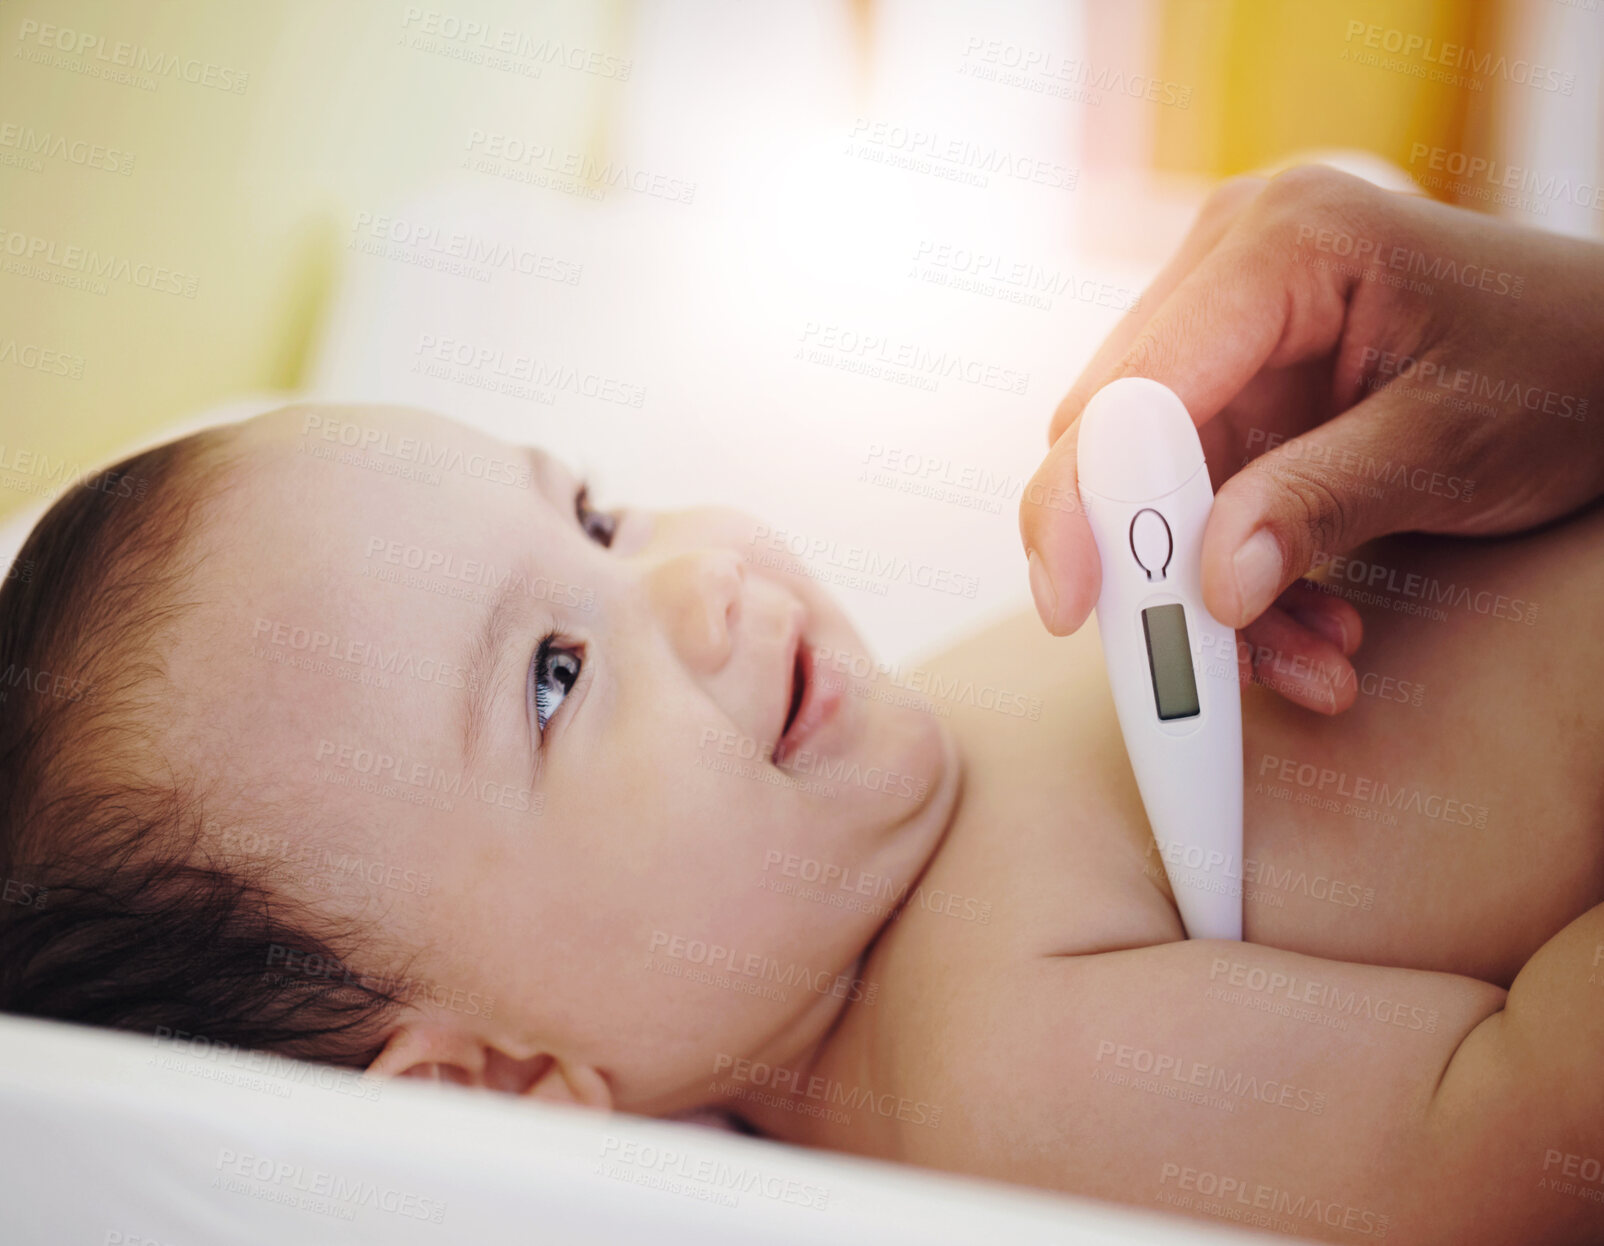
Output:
x=1304 y=182
x=1316 y=194
x=1316 y=510
x=1155 y=351
x=1146 y=356
x=1050 y=495
x=1229 y=198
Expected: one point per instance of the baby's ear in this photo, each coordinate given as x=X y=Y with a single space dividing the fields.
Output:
x=443 y=1052
x=564 y=1082
x=433 y=1052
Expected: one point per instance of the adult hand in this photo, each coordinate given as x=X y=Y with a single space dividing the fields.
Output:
x=1359 y=362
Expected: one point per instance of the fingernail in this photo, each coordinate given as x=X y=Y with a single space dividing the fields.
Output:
x=1041 y=588
x=1257 y=568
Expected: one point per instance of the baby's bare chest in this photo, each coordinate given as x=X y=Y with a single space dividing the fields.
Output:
x=1431 y=830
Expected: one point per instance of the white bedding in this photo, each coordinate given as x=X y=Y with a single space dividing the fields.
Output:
x=121 y=1140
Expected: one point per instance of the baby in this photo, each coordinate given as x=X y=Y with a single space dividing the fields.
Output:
x=417 y=761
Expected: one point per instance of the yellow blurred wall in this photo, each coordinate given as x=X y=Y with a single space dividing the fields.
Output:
x=247 y=194
x=1276 y=77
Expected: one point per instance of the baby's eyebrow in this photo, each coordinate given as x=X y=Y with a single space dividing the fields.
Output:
x=545 y=473
x=484 y=660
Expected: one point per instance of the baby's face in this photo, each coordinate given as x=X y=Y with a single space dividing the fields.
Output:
x=558 y=723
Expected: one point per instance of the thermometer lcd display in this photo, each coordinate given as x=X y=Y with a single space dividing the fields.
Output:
x=1169 y=658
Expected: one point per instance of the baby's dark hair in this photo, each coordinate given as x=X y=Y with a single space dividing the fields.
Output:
x=113 y=909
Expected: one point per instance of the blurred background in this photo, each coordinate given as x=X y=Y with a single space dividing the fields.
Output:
x=833 y=262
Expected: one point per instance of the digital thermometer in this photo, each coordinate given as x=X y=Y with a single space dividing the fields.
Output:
x=1171 y=664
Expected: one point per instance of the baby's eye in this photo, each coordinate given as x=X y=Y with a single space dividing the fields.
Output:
x=552 y=675
x=599 y=526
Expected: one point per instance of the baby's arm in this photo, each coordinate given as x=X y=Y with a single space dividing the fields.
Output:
x=1346 y=1102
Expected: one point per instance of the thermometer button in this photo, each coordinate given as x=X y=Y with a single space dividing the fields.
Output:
x=1151 y=542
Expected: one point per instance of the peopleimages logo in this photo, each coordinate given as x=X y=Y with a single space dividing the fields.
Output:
x=218 y=1060
x=382 y=766
x=34 y=146
x=1497 y=173
x=828 y=883
x=1471 y=384
x=1368 y=471
x=371 y=439
x=1234 y=1196
x=1051 y=73
x=343 y=1193
x=417 y=561
x=877 y=566
x=666 y=1168
x=1351 y=1002
x=319 y=865
x=87 y=268
x=492 y=151
x=723 y=959
x=1233 y=1083
x=1428 y=51
x=1580 y=1167
x=479 y=38
x=1329 y=784
x=453 y=250
x=135 y=58
x=1379 y=580
x=518 y=373
x=828 y=768
x=27 y=895
x=954 y=158
x=786 y=1082
x=41 y=474
x=867 y=350
x=40 y=359
x=42 y=682
x=1369 y=253
x=274 y=638
x=288 y=965
x=1016 y=280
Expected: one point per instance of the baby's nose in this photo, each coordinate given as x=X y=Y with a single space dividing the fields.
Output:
x=697 y=596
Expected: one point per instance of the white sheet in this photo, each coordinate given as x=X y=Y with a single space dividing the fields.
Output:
x=116 y=1139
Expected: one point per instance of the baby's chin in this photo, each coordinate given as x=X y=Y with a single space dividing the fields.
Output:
x=870 y=741
x=922 y=776
x=939 y=745
x=884 y=768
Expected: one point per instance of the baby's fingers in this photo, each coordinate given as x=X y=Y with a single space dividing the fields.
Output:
x=1324 y=614
x=1289 y=658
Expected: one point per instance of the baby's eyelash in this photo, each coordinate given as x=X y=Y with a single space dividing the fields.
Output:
x=605 y=522
x=564 y=673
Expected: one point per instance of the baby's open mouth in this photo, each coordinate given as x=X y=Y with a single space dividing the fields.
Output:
x=814 y=703
x=799 y=687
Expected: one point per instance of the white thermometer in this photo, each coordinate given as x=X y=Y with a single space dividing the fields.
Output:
x=1171 y=664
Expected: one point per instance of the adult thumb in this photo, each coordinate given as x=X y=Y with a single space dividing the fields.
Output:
x=1370 y=471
